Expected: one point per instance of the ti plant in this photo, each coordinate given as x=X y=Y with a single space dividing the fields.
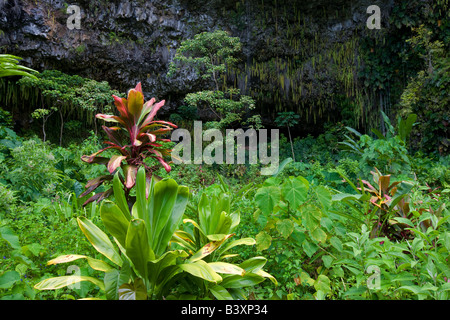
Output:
x=136 y=119
x=143 y=265
x=387 y=208
x=209 y=239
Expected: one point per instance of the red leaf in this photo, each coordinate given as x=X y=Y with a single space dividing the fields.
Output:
x=90 y=159
x=152 y=113
x=99 y=196
x=115 y=162
x=166 y=123
x=139 y=88
x=110 y=118
x=110 y=131
x=120 y=104
x=130 y=175
x=165 y=164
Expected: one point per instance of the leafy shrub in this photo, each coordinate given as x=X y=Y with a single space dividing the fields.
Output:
x=32 y=171
x=5 y=118
x=142 y=142
x=8 y=200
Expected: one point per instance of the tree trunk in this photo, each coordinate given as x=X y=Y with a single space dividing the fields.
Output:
x=292 y=146
x=62 y=127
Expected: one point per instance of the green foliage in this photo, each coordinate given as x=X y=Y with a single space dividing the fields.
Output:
x=388 y=152
x=71 y=96
x=9 y=66
x=288 y=120
x=427 y=93
x=295 y=223
x=142 y=141
x=5 y=118
x=211 y=54
x=210 y=239
x=146 y=267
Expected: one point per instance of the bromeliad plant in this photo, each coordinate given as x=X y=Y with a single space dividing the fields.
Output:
x=136 y=119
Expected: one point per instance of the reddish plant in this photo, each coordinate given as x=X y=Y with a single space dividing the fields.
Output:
x=143 y=133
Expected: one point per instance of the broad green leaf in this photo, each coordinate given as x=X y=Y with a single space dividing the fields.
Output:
x=322 y=283
x=166 y=209
x=64 y=281
x=220 y=293
x=348 y=196
x=94 y=263
x=119 y=195
x=99 y=240
x=324 y=196
x=295 y=191
x=263 y=241
x=253 y=264
x=160 y=207
x=337 y=244
x=404 y=220
x=311 y=216
x=133 y=291
x=305 y=279
x=243 y=241
x=235 y=281
x=319 y=235
x=309 y=247
x=155 y=267
x=285 y=227
x=115 y=278
x=8 y=279
x=327 y=260
x=227 y=268
x=414 y=289
x=114 y=220
x=136 y=246
x=202 y=270
x=265 y=274
x=9 y=236
x=111 y=284
x=266 y=198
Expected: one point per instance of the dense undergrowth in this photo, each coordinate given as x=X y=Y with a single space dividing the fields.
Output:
x=356 y=215
x=311 y=221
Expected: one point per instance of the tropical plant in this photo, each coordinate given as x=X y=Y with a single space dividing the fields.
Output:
x=9 y=66
x=137 y=120
x=210 y=239
x=211 y=54
x=388 y=152
x=288 y=120
x=70 y=95
x=382 y=208
x=295 y=227
x=142 y=264
x=145 y=266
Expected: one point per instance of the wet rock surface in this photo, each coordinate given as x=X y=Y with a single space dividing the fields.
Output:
x=125 y=42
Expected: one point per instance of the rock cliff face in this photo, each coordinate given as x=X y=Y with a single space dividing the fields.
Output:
x=297 y=55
